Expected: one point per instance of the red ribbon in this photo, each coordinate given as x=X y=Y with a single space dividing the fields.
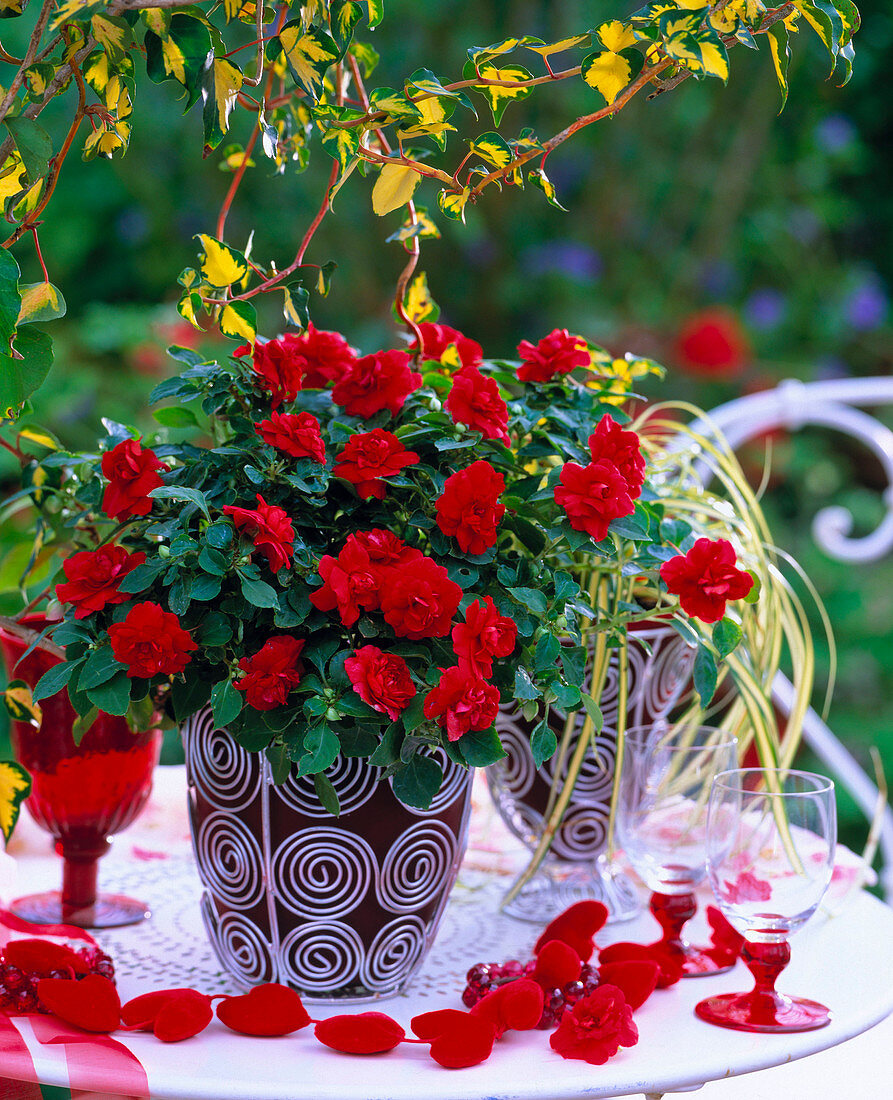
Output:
x=65 y=931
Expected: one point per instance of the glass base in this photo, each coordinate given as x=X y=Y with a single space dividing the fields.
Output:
x=558 y=885
x=697 y=962
x=109 y=910
x=763 y=1012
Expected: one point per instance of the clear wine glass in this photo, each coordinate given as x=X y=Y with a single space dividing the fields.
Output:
x=771 y=837
x=662 y=825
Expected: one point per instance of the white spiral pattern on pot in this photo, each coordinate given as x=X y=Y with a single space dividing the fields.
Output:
x=322 y=872
x=351 y=777
x=516 y=771
x=321 y=956
x=415 y=866
x=455 y=780
x=596 y=777
x=393 y=954
x=229 y=860
x=226 y=775
x=583 y=831
x=668 y=671
x=239 y=944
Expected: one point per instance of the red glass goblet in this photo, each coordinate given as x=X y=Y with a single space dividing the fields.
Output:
x=81 y=794
x=770 y=839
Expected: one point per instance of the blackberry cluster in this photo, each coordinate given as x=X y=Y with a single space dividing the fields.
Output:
x=483 y=978
x=18 y=989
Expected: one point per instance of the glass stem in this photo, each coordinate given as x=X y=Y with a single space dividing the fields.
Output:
x=79 y=875
x=671 y=912
x=766 y=961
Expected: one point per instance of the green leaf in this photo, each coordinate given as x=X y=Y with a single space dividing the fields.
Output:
x=705 y=675
x=280 y=765
x=226 y=703
x=82 y=724
x=358 y=742
x=221 y=83
x=539 y=178
x=525 y=688
x=414 y=714
x=21 y=374
x=530 y=598
x=493 y=148
x=180 y=55
x=593 y=710
x=500 y=95
x=543 y=743
x=175 y=416
x=259 y=593
x=322 y=748
x=113 y=696
x=825 y=20
x=100 y=666
x=777 y=36
x=726 y=636
x=238 y=320
x=182 y=492
x=388 y=751
x=53 y=680
x=34 y=146
x=481 y=747
x=547 y=650
x=10 y=299
x=40 y=302
x=418 y=782
x=308 y=52
x=565 y=585
x=326 y=793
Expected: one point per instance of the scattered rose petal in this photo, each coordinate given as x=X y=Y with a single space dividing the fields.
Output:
x=91 y=1003
x=576 y=926
x=722 y=935
x=557 y=963
x=363 y=1033
x=42 y=957
x=670 y=968
x=596 y=1028
x=267 y=1010
x=747 y=887
x=515 y=1006
x=635 y=980
x=429 y=1025
x=466 y=1042
x=172 y=1014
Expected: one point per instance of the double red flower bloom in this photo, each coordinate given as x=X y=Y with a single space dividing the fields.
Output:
x=151 y=642
x=557 y=353
x=295 y=434
x=476 y=402
x=375 y=382
x=368 y=457
x=269 y=528
x=469 y=508
x=272 y=672
x=705 y=578
x=132 y=474
x=447 y=346
x=93 y=577
x=381 y=679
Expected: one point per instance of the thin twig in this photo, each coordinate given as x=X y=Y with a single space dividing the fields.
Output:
x=39 y=27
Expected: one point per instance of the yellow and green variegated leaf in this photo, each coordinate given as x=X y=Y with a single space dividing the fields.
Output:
x=9 y=9
x=157 y=20
x=15 y=786
x=548 y=48
x=394 y=188
x=825 y=21
x=418 y=304
x=423 y=80
x=850 y=17
x=309 y=53
x=609 y=73
x=422 y=227
x=777 y=36
x=106 y=140
x=679 y=23
x=843 y=69
x=37 y=77
x=181 y=56
x=82 y=10
x=684 y=48
x=233 y=158
x=693 y=5
x=714 y=59
x=113 y=34
x=453 y=205
x=493 y=148
x=295 y=307
x=28 y=202
x=341 y=144
x=343 y=17
x=221 y=266
x=366 y=57
x=516 y=88
x=479 y=54
x=19 y=702
x=239 y=321
x=40 y=302
x=615 y=36
x=393 y=103
x=437 y=131
x=724 y=20
x=44 y=438
x=220 y=86
x=539 y=178
x=376 y=12
x=651 y=12
x=189 y=307
x=98 y=71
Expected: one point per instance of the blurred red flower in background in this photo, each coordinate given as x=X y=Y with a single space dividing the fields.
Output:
x=712 y=343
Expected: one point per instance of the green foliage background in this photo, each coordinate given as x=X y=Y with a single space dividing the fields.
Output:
x=700 y=197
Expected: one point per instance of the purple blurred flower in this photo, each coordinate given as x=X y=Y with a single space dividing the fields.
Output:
x=866 y=306
x=765 y=308
x=569 y=258
x=835 y=133
x=719 y=278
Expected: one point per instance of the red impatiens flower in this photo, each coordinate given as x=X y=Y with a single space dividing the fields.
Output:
x=447 y=346
x=461 y=702
x=375 y=382
x=93 y=577
x=269 y=528
x=557 y=353
x=485 y=634
x=381 y=679
x=713 y=343
x=327 y=356
x=385 y=549
x=596 y=1027
x=150 y=641
x=476 y=402
x=296 y=434
x=272 y=672
x=593 y=496
x=279 y=367
x=705 y=578
x=370 y=456
x=611 y=443
x=469 y=508
x=419 y=600
x=351 y=582
x=131 y=472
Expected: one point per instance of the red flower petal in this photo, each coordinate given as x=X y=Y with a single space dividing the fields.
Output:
x=466 y=1043
x=557 y=963
x=266 y=1010
x=183 y=1015
x=723 y=935
x=140 y=1012
x=91 y=1003
x=576 y=926
x=670 y=969
x=429 y=1025
x=635 y=980
x=364 y=1033
x=42 y=957
x=516 y=1005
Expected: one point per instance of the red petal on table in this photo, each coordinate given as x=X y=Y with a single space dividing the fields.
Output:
x=517 y=1005
x=183 y=1015
x=364 y=1033
x=557 y=963
x=670 y=969
x=42 y=957
x=140 y=1012
x=724 y=937
x=429 y=1025
x=91 y=1003
x=576 y=926
x=467 y=1042
x=635 y=980
x=267 y=1010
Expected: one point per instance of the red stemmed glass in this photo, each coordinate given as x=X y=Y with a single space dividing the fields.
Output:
x=771 y=837
x=662 y=824
x=81 y=794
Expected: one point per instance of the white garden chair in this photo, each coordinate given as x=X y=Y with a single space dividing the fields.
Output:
x=837 y=404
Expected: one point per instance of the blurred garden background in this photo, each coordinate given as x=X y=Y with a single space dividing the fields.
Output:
x=736 y=246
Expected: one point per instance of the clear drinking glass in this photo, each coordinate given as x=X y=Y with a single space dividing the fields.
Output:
x=662 y=824
x=771 y=838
